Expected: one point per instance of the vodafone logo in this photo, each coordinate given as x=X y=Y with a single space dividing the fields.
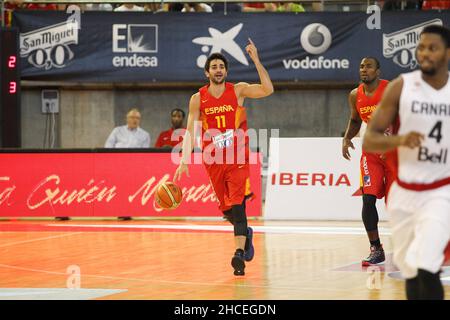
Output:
x=310 y=179
x=316 y=38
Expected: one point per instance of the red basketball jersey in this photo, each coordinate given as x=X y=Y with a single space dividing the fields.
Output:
x=366 y=105
x=221 y=117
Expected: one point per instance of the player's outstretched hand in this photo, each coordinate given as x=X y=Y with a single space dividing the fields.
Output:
x=347 y=143
x=252 y=50
x=412 y=139
x=182 y=168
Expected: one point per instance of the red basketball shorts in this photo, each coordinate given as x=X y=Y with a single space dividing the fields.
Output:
x=376 y=177
x=231 y=183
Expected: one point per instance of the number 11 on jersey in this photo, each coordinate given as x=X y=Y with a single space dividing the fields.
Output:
x=220 y=121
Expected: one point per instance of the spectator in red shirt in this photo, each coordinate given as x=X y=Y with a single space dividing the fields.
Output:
x=10 y=6
x=259 y=7
x=165 y=139
x=436 y=5
x=42 y=6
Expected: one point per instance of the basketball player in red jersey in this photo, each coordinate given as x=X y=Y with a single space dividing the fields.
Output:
x=218 y=106
x=376 y=178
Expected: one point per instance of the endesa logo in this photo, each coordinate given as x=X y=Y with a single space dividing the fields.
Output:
x=136 y=43
x=310 y=179
x=315 y=39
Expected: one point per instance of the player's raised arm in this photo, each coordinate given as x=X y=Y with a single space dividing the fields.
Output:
x=353 y=127
x=188 y=141
x=375 y=140
x=262 y=89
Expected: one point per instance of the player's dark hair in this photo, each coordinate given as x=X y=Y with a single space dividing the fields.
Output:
x=377 y=63
x=215 y=56
x=178 y=110
x=439 y=30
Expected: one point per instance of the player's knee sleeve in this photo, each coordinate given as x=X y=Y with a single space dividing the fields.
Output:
x=412 y=288
x=240 y=220
x=228 y=215
x=369 y=212
x=430 y=285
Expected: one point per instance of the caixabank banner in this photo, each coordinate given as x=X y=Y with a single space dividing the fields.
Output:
x=173 y=47
x=111 y=184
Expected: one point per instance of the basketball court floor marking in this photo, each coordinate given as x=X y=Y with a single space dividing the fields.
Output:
x=39 y=239
x=188 y=283
x=258 y=229
x=261 y=285
x=55 y=293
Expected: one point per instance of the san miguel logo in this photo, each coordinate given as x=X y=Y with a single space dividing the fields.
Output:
x=400 y=46
x=48 y=47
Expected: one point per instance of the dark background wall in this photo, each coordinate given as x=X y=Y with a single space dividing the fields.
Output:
x=87 y=117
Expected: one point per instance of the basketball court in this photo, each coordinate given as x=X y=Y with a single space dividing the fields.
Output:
x=86 y=92
x=190 y=259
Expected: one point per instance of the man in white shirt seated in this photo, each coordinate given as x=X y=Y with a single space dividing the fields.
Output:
x=129 y=135
x=129 y=7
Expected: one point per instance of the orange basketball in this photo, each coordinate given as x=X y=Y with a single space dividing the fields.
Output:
x=168 y=195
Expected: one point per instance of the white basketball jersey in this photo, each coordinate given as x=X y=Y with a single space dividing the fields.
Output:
x=426 y=110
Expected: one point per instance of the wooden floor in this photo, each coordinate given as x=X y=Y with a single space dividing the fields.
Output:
x=179 y=259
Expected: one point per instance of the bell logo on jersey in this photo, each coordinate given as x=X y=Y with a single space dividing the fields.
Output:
x=433 y=157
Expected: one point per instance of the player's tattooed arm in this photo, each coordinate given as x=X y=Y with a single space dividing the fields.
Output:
x=375 y=140
x=260 y=90
x=353 y=126
x=188 y=141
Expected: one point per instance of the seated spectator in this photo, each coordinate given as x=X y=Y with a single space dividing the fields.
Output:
x=165 y=138
x=10 y=6
x=196 y=7
x=99 y=7
x=231 y=7
x=436 y=5
x=290 y=7
x=259 y=7
x=318 y=6
x=128 y=7
x=393 y=5
x=129 y=136
x=156 y=7
x=42 y=6
x=176 y=7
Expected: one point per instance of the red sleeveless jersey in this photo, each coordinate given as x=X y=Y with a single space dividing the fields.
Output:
x=366 y=105
x=220 y=118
